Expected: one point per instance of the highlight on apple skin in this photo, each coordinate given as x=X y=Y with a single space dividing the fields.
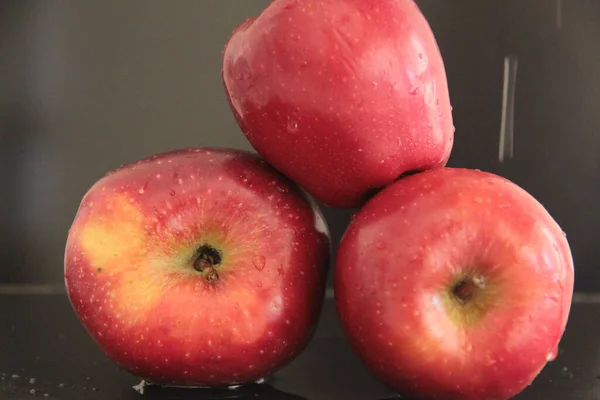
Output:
x=342 y=96
x=454 y=284
x=198 y=267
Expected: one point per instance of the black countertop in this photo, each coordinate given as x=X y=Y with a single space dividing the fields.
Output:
x=45 y=353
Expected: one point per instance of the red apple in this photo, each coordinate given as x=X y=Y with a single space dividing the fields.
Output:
x=342 y=96
x=198 y=267
x=454 y=284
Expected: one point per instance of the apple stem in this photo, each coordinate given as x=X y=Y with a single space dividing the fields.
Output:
x=203 y=265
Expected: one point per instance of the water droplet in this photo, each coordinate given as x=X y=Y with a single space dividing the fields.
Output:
x=292 y=126
x=143 y=188
x=420 y=56
x=259 y=262
x=290 y=5
x=282 y=189
x=61 y=385
x=280 y=271
x=32 y=391
x=259 y=284
x=375 y=84
x=380 y=245
x=172 y=192
x=414 y=90
x=32 y=381
x=564 y=234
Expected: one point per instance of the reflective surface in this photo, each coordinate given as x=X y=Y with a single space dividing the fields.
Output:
x=45 y=350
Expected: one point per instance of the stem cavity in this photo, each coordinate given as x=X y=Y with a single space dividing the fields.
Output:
x=208 y=259
x=467 y=287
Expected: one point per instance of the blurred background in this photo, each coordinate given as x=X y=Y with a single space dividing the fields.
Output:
x=88 y=86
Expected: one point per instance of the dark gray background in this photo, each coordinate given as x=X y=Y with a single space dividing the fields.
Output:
x=88 y=86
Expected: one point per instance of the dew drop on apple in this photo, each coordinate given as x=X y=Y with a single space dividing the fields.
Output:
x=172 y=192
x=292 y=126
x=380 y=245
x=259 y=262
x=290 y=5
x=143 y=188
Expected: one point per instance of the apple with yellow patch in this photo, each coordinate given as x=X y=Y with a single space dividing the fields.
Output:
x=198 y=267
x=454 y=284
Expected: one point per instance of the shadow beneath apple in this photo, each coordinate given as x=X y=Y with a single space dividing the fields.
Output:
x=253 y=391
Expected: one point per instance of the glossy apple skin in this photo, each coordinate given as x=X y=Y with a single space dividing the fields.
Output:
x=342 y=96
x=130 y=277
x=395 y=264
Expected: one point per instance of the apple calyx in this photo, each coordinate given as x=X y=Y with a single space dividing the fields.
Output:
x=208 y=259
x=464 y=290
